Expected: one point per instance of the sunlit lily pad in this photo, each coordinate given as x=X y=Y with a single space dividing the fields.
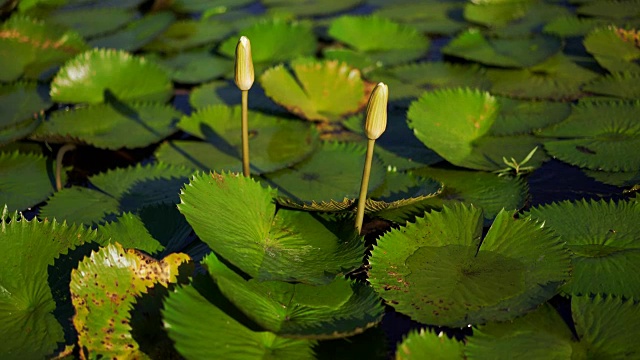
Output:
x=309 y=7
x=27 y=321
x=221 y=335
x=237 y=218
x=622 y=85
x=119 y=190
x=22 y=101
x=137 y=34
x=381 y=39
x=25 y=179
x=605 y=329
x=604 y=238
x=111 y=126
x=557 y=78
x=90 y=22
x=483 y=190
x=439 y=271
x=185 y=34
x=427 y=17
x=615 y=49
x=506 y=52
x=317 y=90
x=338 y=309
x=31 y=48
x=196 y=67
x=449 y=121
x=333 y=172
x=88 y=76
x=598 y=136
x=274 y=142
x=424 y=344
x=104 y=288
x=274 y=40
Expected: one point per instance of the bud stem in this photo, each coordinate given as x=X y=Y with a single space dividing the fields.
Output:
x=245 y=133
x=365 y=184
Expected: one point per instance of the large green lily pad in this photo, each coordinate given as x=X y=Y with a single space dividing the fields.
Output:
x=22 y=101
x=338 y=309
x=137 y=34
x=91 y=22
x=237 y=218
x=440 y=271
x=604 y=238
x=87 y=77
x=424 y=344
x=196 y=66
x=428 y=17
x=317 y=90
x=186 y=34
x=623 y=85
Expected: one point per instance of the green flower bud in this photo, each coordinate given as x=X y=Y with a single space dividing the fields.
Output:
x=244 y=64
x=376 y=122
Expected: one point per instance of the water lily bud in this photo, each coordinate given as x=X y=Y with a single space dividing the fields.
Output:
x=244 y=64
x=376 y=122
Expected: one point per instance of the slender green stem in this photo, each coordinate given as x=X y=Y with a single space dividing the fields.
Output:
x=245 y=133
x=364 y=185
x=63 y=150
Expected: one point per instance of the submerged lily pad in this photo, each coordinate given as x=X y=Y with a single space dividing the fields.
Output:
x=338 y=309
x=185 y=34
x=26 y=179
x=27 y=321
x=103 y=290
x=137 y=34
x=333 y=172
x=320 y=90
x=221 y=335
x=624 y=85
x=31 y=48
x=598 y=136
x=274 y=142
x=439 y=271
x=237 y=218
x=424 y=344
x=381 y=39
x=507 y=52
x=274 y=40
x=88 y=76
x=604 y=239
x=111 y=126
x=615 y=49
x=22 y=101
x=119 y=190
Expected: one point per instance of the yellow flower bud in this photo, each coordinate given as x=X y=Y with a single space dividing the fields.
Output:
x=376 y=122
x=244 y=64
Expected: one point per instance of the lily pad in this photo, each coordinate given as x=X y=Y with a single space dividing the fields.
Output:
x=615 y=49
x=622 y=85
x=196 y=67
x=449 y=121
x=506 y=52
x=571 y=26
x=22 y=101
x=338 y=309
x=28 y=324
x=111 y=126
x=557 y=78
x=237 y=218
x=88 y=76
x=513 y=18
x=611 y=9
x=119 y=190
x=275 y=40
x=381 y=39
x=186 y=34
x=483 y=190
x=428 y=17
x=222 y=92
x=603 y=237
x=321 y=90
x=521 y=116
x=309 y=7
x=274 y=142
x=197 y=6
x=439 y=271
x=437 y=74
x=137 y=34
x=91 y=22
x=598 y=136
x=103 y=290
x=618 y=178
x=31 y=48
x=425 y=344
x=221 y=335
x=333 y=172
x=25 y=179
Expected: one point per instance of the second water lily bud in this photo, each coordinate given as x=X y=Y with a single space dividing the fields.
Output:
x=244 y=64
x=376 y=122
